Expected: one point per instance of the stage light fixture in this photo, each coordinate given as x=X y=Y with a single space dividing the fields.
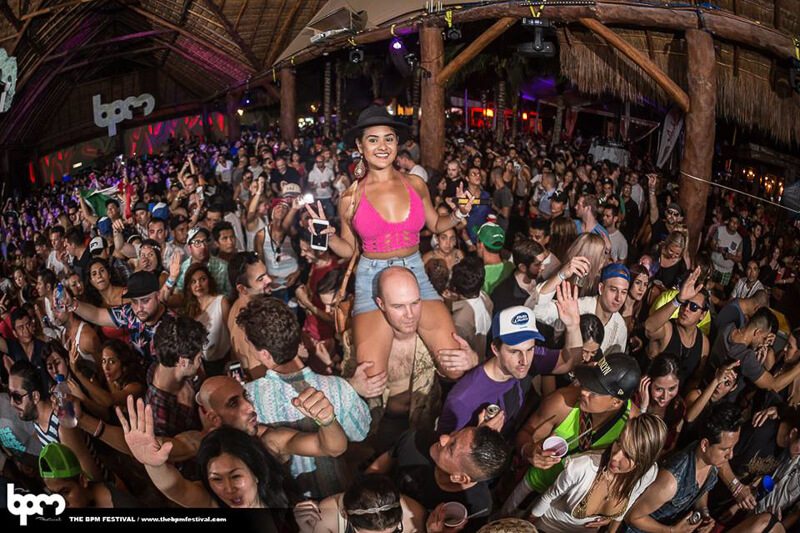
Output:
x=356 y=55
x=396 y=44
x=453 y=33
x=411 y=59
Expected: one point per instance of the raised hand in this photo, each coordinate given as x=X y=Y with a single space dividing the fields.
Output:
x=770 y=413
x=462 y=193
x=690 y=287
x=368 y=387
x=644 y=393
x=460 y=359
x=175 y=264
x=577 y=266
x=567 y=304
x=140 y=434
x=313 y=404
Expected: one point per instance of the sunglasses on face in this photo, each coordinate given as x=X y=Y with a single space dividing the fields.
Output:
x=17 y=397
x=672 y=212
x=693 y=307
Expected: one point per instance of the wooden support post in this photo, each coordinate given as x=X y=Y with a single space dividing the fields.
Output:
x=205 y=116
x=288 y=112
x=698 y=149
x=431 y=132
x=672 y=89
x=474 y=48
x=234 y=124
x=326 y=99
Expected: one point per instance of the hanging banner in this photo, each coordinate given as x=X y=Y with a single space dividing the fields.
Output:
x=570 y=120
x=673 y=124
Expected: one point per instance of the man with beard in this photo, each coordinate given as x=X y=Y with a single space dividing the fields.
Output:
x=248 y=275
x=140 y=317
x=29 y=397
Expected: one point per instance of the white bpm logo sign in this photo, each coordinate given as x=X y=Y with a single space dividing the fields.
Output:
x=24 y=505
x=111 y=114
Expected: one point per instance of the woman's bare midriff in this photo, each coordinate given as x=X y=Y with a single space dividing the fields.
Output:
x=400 y=252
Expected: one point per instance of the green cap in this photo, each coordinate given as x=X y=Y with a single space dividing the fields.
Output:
x=56 y=461
x=492 y=236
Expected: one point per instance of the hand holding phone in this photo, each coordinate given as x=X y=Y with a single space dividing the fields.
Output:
x=319 y=240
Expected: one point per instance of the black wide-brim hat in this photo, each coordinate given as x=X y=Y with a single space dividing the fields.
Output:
x=376 y=116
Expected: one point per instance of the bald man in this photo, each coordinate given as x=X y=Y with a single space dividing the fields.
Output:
x=222 y=401
x=408 y=389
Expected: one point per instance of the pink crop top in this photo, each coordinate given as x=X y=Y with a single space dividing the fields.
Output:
x=379 y=236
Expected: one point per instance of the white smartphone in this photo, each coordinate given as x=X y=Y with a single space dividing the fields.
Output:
x=318 y=240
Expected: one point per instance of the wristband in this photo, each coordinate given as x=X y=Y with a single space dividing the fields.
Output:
x=169 y=283
x=322 y=424
x=677 y=301
x=561 y=276
x=459 y=214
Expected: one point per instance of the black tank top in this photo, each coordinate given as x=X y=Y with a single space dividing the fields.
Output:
x=688 y=356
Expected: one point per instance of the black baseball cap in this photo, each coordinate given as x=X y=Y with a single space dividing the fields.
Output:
x=141 y=284
x=140 y=206
x=616 y=375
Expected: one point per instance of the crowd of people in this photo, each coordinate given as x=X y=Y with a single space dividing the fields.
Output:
x=327 y=329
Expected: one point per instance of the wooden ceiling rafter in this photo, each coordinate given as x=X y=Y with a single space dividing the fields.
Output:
x=113 y=40
x=282 y=35
x=181 y=22
x=247 y=50
x=29 y=72
x=152 y=17
x=8 y=13
x=258 y=24
x=239 y=16
x=50 y=9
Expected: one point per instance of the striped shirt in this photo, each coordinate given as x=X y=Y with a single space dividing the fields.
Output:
x=50 y=434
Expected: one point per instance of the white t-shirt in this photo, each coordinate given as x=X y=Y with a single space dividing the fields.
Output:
x=554 y=508
x=619 y=246
x=731 y=243
x=418 y=170
x=321 y=182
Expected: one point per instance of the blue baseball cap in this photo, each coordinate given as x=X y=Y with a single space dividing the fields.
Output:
x=615 y=270
x=515 y=325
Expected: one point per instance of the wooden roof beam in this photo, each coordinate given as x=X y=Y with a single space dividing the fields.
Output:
x=282 y=35
x=119 y=39
x=474 y=48
x=50 y=9
x=239 y=16
x=8 y=13
x=232 y=33
x=189 y=35
x=672 y=89
x=721 y=24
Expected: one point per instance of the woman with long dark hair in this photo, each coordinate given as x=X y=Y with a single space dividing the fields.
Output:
x=659 y=394
x=236 y=471
x=202 y=301
x=381 y=218
x=102 y=289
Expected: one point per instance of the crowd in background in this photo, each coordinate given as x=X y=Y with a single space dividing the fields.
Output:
x=602 y=373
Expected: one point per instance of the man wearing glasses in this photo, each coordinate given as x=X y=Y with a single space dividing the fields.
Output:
x=198 y=244
x=681 y=336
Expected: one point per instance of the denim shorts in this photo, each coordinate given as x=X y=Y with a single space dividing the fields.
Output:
x=367 y=280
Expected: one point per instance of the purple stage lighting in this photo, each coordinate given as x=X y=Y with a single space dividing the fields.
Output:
x=397 y=44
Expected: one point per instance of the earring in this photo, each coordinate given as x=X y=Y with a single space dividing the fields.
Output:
x=361 y=169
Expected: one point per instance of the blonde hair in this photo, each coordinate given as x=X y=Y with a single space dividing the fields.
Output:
x=675 y=238
x=642 y=441
x=592 y=247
